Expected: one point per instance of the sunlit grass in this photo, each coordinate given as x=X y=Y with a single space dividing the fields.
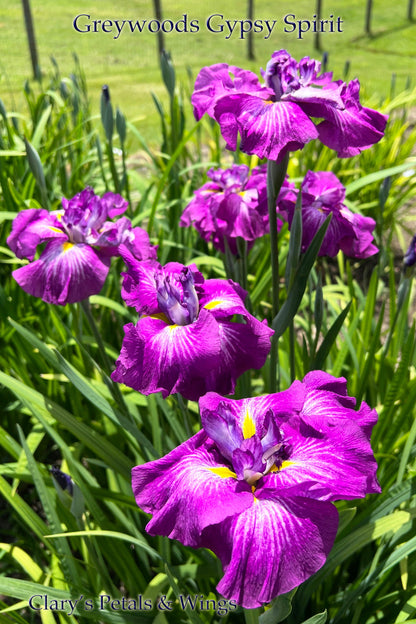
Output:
x=129 y=64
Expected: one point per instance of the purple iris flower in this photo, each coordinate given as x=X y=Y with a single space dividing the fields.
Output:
x=278 y=117
x=234 y=204
x=185 y=339
x=80 y=241
x=256 y=485
x=323 y=194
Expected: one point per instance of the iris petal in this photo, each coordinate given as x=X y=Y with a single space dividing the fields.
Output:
x=32 y=227
x=243 y=347
x=273 y=546
x=64 y=273
x=158 y=357
x=223 y=298
x=278 y=118
x=353 y=128
x=217 y=80
x=342 y=463
x=267 y=129
x=186 y=490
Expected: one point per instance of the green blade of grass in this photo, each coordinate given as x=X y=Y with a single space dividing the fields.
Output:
x=329 y=339
x=140 y=542
x=104 y=449
x=70 y=570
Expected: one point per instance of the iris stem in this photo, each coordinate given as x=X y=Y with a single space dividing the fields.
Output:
x=242 y=248
x=292 y=351
x=242 y=261
x=243 y=389
x=276 y=173
x=186 y=417
x=114 y=175
x=86 y=306
x=403 y=291
x=229 y=262
x=251 y=616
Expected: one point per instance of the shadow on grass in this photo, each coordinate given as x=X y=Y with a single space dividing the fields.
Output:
x=382 y=33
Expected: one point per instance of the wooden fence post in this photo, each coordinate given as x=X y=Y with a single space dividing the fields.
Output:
x=368 y=9
x=250 y=39
x=158 y=14
x=318 y=12
x=30 y=31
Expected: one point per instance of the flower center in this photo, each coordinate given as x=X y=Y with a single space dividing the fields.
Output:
x=260 y=453
x=281 y=74
x=251 y=452
x=177 y=297
x=83 y=217
x=284 y=75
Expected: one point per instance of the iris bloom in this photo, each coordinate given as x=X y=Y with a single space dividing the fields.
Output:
x=80 y=241
x=283 y=115
x=234 y=204
x=185 y=339
x=256 y=484
x=323 y=194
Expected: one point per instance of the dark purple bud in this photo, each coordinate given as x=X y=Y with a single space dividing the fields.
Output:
x=63 y=480
x=410 y=256
x=106 y=93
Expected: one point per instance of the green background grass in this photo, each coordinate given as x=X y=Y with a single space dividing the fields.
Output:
x=129 y=65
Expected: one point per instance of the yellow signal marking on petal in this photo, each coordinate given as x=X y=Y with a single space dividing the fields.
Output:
x=161 y=317
x=54 y=229
x=67 y=246
x=285 y=464
x=212 y=304
x=249 y=426
x=223 y=472
x=158 y=315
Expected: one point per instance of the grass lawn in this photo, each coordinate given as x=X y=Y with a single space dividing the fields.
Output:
x=129 y=63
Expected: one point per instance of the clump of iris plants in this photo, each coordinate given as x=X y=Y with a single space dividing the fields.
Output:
x=270 y=466
x=257 y=483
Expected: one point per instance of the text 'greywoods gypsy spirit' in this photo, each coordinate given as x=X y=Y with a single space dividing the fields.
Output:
x=215 y=23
